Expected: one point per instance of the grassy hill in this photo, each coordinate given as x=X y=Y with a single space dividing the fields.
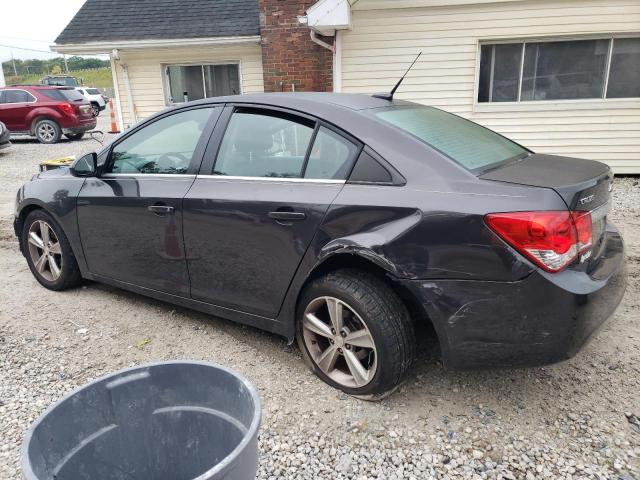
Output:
x=99 y=78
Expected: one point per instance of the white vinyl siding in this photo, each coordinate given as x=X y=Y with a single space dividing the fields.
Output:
x=147 y=75
x=385 y=40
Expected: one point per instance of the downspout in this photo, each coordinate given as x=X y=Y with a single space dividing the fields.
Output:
x=115 y=55
x=337 y=62
x=127 y=84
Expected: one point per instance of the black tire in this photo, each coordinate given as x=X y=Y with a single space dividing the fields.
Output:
x=69 y=272
x=47 y=131
x=74 y=136
x=383 y=313
x=95 y=109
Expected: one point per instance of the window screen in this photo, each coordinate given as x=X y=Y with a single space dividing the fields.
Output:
x=195 y=82
x=559 y=70
x=469 y=144
x=624 y=74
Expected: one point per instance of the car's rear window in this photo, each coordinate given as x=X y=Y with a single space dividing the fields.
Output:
x=93 y=91
x=62 y=94
x=469 y=144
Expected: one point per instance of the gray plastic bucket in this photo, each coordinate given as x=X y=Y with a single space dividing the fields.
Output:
x=162 y=421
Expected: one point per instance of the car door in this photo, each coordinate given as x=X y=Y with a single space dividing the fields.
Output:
x=15 y=105
x=257 y=203
x=130 y=217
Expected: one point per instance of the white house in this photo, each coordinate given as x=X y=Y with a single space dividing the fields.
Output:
x=558 y=76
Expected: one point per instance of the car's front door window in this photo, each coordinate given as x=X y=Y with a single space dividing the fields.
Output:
x=165 y=146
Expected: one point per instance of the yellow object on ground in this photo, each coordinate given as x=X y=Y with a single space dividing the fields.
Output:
x=57 y=163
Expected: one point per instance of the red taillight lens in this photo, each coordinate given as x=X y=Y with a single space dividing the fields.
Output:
x=551 y=240
x=66 y=108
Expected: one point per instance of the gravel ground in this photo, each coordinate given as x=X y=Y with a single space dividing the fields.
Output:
x=573 y=420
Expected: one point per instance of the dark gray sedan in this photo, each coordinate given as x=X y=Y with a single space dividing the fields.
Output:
x=341 y=221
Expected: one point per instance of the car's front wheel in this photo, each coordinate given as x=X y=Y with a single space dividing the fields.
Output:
x=356 y=333
x=48 y=252
x=47 y=131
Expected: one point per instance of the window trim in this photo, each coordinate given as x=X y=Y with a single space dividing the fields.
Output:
x=602 y=102
x=165 y=77
x=19 y=90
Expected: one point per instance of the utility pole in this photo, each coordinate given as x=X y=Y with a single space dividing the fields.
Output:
x=66 y=67
x=15 y=72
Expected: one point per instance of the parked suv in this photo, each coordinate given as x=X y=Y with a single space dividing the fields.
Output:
x=45 y=112
x=95 y=97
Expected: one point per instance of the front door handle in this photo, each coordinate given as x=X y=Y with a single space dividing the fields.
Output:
x=161 y=209
x=287 y=216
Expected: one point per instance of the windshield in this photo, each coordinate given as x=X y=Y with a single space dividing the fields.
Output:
x=93 y=91
x=469 y=144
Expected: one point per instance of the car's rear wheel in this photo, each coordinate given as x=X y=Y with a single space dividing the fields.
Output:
x=95 y=109
x=48 y=252
x=356 y=333
x=47 y=131
x=74 y=136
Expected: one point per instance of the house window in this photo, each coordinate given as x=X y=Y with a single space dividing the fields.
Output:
x=194 y=82
x=559 y=70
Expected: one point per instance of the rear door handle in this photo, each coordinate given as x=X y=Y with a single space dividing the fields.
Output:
x=161 y=209
x=287 y=216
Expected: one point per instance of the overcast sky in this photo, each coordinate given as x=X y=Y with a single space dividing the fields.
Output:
x=33 y=24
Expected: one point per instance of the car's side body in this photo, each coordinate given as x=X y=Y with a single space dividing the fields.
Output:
x=21 y=116
x=423 y=231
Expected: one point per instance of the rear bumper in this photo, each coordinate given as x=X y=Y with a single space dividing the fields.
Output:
x=544 y=318
x=84 y=126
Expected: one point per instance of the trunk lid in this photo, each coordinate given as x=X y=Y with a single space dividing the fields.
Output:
x=584 y=185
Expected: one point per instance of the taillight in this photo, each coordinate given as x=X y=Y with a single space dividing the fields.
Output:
x=551 y=240
x=66 y=108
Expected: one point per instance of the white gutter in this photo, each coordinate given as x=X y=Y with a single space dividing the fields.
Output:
x=127 y=85
x=107 y=47
x=337 y=62
x=116 y=88
x=2 y=82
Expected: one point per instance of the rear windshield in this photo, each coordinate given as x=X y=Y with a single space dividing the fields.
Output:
x=93 y=91
x=469 y=144
x=63 y=95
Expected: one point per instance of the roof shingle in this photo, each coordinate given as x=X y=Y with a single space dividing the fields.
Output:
x=109 y=20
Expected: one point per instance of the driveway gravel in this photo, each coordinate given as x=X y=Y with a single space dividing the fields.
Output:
x=574 y=420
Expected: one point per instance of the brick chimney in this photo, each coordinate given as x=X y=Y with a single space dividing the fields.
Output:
x=290 y=58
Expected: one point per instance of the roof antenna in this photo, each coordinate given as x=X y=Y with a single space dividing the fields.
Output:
x=389 y=96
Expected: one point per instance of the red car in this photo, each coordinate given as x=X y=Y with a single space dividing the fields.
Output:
x=45 y=112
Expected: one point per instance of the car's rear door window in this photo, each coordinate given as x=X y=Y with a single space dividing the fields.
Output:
x=331 y=157
x=17 y=96
x=165 y=146
x=264 y=143
x=469 y=144
x=275 y=144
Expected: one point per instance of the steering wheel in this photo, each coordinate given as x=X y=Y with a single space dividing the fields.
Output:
x=169 y=160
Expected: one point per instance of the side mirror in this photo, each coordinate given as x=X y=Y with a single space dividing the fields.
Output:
x=86 y=166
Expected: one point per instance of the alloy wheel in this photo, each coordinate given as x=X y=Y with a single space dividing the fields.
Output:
x=339 y=342
x=95 y=110
x=46 y=132
x=45 y=250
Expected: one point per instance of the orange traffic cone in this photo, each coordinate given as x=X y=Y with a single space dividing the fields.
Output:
x=112 y=115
